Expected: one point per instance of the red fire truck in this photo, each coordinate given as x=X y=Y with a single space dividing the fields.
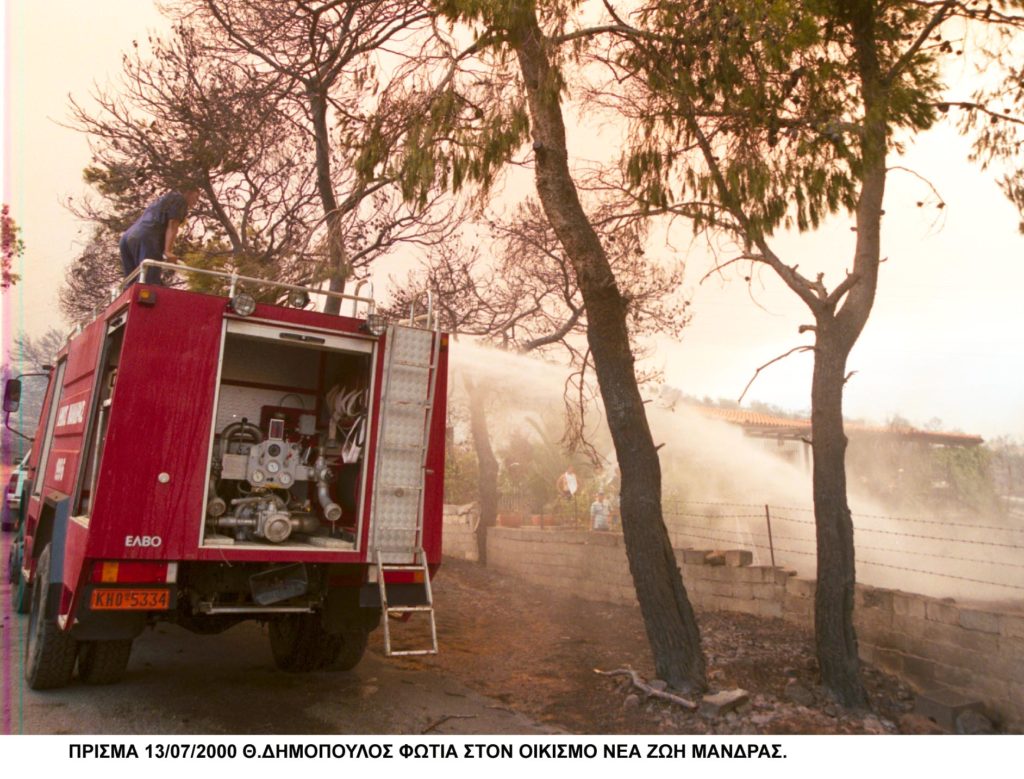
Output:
x=206 y=459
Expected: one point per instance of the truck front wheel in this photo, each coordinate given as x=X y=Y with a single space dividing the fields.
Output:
x=103 y=662
x=50 y=653
x=8 y=517
x=21 y=593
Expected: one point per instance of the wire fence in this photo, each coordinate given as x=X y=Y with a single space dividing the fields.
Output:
x=929 y=555
x=914 y=553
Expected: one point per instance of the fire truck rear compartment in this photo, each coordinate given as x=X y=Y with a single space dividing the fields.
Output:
x=286 y=467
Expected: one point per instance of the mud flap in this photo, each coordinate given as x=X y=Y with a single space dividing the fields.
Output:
x=99 y=626
x=343 y=611
x=409 y=594
x=58 y=542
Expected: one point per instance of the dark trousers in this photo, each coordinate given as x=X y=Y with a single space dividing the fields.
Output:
x=133 y=251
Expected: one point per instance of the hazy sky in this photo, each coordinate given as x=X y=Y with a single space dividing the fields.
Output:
x=946 y=337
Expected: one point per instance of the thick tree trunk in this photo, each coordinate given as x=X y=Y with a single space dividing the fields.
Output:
x=487 y=465
x=668 y=616
x=835 y=638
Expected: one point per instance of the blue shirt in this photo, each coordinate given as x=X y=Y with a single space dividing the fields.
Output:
x=151 y=227
x=145 y=239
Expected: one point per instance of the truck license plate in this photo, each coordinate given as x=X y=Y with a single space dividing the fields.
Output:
x=131 y=600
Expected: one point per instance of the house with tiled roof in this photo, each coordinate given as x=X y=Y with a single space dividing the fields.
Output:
x=761 y=425
x=896 y=461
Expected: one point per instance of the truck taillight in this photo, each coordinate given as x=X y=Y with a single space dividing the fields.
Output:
x=133 y=572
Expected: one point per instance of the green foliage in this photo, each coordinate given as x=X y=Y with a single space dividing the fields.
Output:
x=471 y=124
x=505 y=15
x=217 y=255
x=771 y=88
x=995 y=118
x=968 y=474
x=1007 y=466
x=916 y=477
x=532 y=460
x=461 y=474
x=450 y=144
x=12 y=248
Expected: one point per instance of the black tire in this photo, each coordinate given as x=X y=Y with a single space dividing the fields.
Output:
x=13 y=564
x=103 y=662
x=299 y=643
x=8 y=518
x=351 y=651
x=21 y=593
x=50 y=653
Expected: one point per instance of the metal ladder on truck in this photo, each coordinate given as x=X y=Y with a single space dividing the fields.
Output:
x=407 y=404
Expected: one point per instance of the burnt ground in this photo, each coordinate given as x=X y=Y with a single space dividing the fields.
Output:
x=536 y=652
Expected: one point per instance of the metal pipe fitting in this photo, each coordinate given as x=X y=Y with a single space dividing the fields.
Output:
x=332 y=511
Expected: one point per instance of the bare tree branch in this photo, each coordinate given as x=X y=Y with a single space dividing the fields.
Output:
x=794 y=350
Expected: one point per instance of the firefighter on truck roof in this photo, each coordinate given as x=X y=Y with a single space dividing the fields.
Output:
x=152 y=235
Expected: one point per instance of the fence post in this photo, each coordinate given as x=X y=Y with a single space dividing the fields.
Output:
x=771 y=546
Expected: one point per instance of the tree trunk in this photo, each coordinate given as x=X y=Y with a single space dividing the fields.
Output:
x=835 y=638
x=668 y=616
x=487 y=465
x=325 y=188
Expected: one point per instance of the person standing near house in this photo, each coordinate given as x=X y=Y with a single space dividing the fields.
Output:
x=567 y=484
x=600 y=513
x=153 y=234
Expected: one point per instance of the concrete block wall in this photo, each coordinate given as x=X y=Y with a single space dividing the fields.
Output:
x=590 y=565
x=459 y=541
x=458 y=538
x=929 y=642
x=937 y=644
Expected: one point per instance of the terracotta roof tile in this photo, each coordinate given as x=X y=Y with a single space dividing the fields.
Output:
x=756 y=419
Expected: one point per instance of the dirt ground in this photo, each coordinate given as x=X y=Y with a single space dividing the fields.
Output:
x=537 y=653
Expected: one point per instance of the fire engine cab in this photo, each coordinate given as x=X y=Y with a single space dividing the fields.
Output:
x=206 y=459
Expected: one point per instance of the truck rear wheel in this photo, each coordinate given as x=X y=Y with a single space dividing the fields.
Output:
x=50 y=653
x=351 y=651
x=103 y=662
x=300 y=643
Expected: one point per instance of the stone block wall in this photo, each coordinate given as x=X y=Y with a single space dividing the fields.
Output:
x=929 y=642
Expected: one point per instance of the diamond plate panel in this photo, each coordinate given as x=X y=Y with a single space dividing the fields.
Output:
x=399 y=478
x=413 y=345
